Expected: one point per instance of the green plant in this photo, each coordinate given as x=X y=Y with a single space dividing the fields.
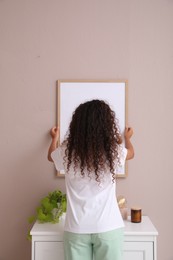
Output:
x=50 y=209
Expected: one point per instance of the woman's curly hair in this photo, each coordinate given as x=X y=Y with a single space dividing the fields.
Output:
x=93 y=139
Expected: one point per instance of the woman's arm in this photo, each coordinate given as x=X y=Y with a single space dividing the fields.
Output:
x=130 y=150
x=54 y=132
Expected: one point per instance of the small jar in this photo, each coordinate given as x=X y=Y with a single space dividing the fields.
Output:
x=136 y=215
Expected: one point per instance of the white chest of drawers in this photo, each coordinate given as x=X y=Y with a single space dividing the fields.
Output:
x=140 y=241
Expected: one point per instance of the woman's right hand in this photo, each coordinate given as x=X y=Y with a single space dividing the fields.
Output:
x=54 y=132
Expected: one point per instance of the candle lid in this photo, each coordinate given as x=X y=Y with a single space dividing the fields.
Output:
x=136 y=208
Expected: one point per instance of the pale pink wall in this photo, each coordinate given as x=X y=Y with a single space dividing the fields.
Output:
x=42 y=41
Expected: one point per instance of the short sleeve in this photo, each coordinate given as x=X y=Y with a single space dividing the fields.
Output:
x=57 y=157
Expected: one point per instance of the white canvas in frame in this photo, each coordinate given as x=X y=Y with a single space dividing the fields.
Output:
x=70 y=94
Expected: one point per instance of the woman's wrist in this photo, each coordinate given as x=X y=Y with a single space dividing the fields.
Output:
x=55 y=140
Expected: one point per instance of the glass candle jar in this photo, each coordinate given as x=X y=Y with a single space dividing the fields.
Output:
x=136 y=215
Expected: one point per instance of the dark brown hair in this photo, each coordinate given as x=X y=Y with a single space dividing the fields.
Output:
x=93 y=139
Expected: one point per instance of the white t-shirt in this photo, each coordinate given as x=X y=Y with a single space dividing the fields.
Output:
x=91 y=207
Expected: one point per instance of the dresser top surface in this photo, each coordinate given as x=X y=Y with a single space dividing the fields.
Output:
x=146 y=227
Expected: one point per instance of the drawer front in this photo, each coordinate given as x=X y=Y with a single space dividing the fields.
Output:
x=49 y=250
x=138 y=251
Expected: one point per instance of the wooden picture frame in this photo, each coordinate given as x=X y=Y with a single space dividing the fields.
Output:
x=71 y=93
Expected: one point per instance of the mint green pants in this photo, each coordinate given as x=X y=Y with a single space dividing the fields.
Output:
x=101 y=246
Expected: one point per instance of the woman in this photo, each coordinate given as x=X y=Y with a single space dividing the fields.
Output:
x=90 y=157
